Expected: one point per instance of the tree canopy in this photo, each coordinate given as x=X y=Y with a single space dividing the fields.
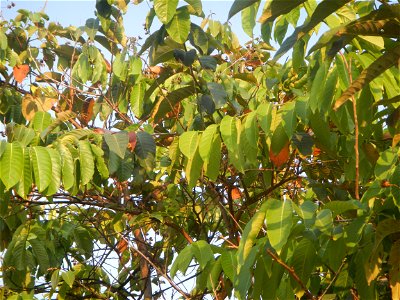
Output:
x=190 y=165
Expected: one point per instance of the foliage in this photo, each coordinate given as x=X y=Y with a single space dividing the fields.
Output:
x=125 y=166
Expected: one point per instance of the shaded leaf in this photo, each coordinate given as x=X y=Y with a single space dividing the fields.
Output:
x=145 y=145
x=117 y=142
x=240 y=5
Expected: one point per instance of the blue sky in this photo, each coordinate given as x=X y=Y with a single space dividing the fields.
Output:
x=77 y=12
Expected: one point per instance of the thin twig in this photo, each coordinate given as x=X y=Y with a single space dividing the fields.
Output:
x=333 y=280
x=292 y=273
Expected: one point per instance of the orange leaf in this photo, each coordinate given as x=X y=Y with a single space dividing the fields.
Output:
x=157 y=70
x=122 y=245
x=132 y=141
x=316 y=151
x=20 y=72
x=279 y=159
x=236 y=194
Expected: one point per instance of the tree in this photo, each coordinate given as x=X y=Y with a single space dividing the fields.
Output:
x=124 y=166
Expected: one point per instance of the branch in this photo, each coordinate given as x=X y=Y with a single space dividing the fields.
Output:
x=259 y=196
x=144 y=267
x=175 y=286
x=292 y=273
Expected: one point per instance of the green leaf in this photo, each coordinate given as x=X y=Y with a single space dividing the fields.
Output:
x=69 y=277
x=100 y=163
x=264 y=116
x=249 y=15
x=188 y=143
x=289 y=117
x=67 y=166
x=182 y=261
x=179 y=26
x=25 y=182
x=279 y=222
x=137 y=98
x=3 y=41
x=208 y=62
x=23 y=135
x=198 y=38
x=83 y=240
x=61 y=118
x=202 y=252
x=307 y=213
x=316 y=90
x=240 y=5
x=229 y=264
x=167 y=104
x=83 y=68
x=251 y=129
x=42 y=168
x=276 y=8
x=218 y=94
x=40 y=254
x=120 y=66
x=229 y=133
x=304 y=259
x=339 y=207
x=324 y=221
x=165 y=9
x=279 y=139
x=197 y=6
x=212 y=166
x=214 y=275
x=11 y=164
x=193 y=169
x=55 y=278
x=206 y=104
x=385 y=163
x=91 y=27
x=56 y=172
x=384 y=62
x=86 y=162
x=145 y=145
x=323 y=10
x=117 y=142
x=206 y=141
x=385 y=228
x=249 y=236
x=41 y=121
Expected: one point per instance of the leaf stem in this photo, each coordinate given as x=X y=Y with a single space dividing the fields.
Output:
x=292 y=273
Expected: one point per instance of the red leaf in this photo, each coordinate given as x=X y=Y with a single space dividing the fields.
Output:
x=20 y=72
x=132 y=141
x=279 y=159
